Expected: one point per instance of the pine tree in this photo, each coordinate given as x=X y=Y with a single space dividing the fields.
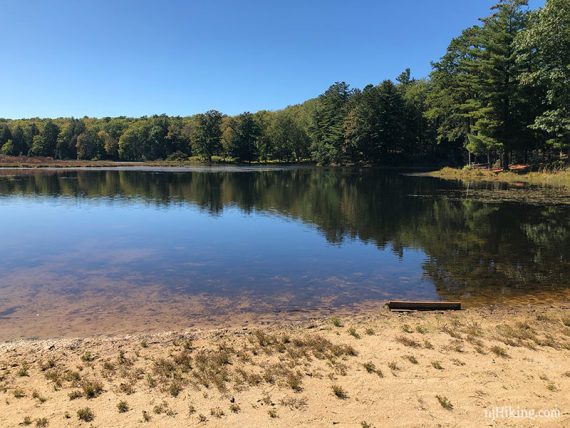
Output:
x=327 y=129
x=544 y=52
x=498 y=119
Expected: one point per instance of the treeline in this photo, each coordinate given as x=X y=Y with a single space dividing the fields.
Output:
x=500 y=93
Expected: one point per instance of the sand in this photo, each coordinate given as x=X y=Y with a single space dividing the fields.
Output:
x=369 y=369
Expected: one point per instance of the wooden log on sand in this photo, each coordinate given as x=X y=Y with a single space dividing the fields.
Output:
x=424 y=306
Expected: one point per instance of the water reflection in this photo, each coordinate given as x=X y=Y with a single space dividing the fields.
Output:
x=160 y=248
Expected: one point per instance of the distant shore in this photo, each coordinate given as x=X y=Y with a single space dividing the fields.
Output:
x=379 y=369
x=43 y=162
x=559 y=178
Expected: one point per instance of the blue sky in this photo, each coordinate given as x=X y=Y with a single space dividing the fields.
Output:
x=181 y=57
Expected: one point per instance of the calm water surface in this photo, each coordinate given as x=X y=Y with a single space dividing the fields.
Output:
x=104 y=251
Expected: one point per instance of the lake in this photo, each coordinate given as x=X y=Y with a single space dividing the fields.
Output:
x=117 y=251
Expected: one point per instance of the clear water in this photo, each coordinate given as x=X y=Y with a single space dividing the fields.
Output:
x=103 y=251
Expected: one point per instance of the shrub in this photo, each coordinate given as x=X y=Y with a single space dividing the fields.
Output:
x=85 y=414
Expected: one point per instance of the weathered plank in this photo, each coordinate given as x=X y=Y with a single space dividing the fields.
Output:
x=424 y=306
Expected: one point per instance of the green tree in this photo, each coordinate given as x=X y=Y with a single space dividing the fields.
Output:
x=420 y=130
x=131 y=145
x=476 y=85
x=156 y=145
x=18 y=138
x=113 y=129
x=91 y=144
x=206 y=140
x=374 y=129
x=179 y=137
x=5 y=134
x=544 y=52
x=67 y=139
x=451 y=95
x=40 y=147
x=327 y=128
x=45 y=144
x=30 y=131
x=498 y=113
x=288 y=140
x=240 y=137
x=8 y=148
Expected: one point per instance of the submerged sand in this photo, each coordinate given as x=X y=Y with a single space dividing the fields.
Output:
x=374 y=369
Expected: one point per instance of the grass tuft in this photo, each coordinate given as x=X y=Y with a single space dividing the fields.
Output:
x=444 y=401
x=42 y=422
x=87 y=357
x=85 y=414
x=217 y=412
x=437 y=365
x=336 y=322
x=91 y=388
x=339 y=392
x=411 y=359
x=123 y=407
x=352 y=331
x=408 y=342
x=499 y=351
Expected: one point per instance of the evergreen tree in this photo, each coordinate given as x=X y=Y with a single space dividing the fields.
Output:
x=29 y=133
x=18 y=139
x=327 y=129
x=544 y=53
x=498 y=118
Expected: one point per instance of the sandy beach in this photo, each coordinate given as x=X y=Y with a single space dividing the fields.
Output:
x=373 y=369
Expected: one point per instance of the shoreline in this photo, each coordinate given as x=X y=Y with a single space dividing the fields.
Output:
x=15 y=162
x=23 y=163
x=208 y=313
x=554 y=179
x=379 y=368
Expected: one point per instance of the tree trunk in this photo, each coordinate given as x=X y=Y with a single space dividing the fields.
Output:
x=505 y=160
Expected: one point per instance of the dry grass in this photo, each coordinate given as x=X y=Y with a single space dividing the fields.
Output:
x=437 y=365
x=559 y=178
x=238 y=377
x=336 y=322
x=91 y=388
x=123 y=407
x=85 y=414
x=339 y=392
x=499 y=351
x=408 y=342
x=411 y=359
x=352 y=331
x=444 y=402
